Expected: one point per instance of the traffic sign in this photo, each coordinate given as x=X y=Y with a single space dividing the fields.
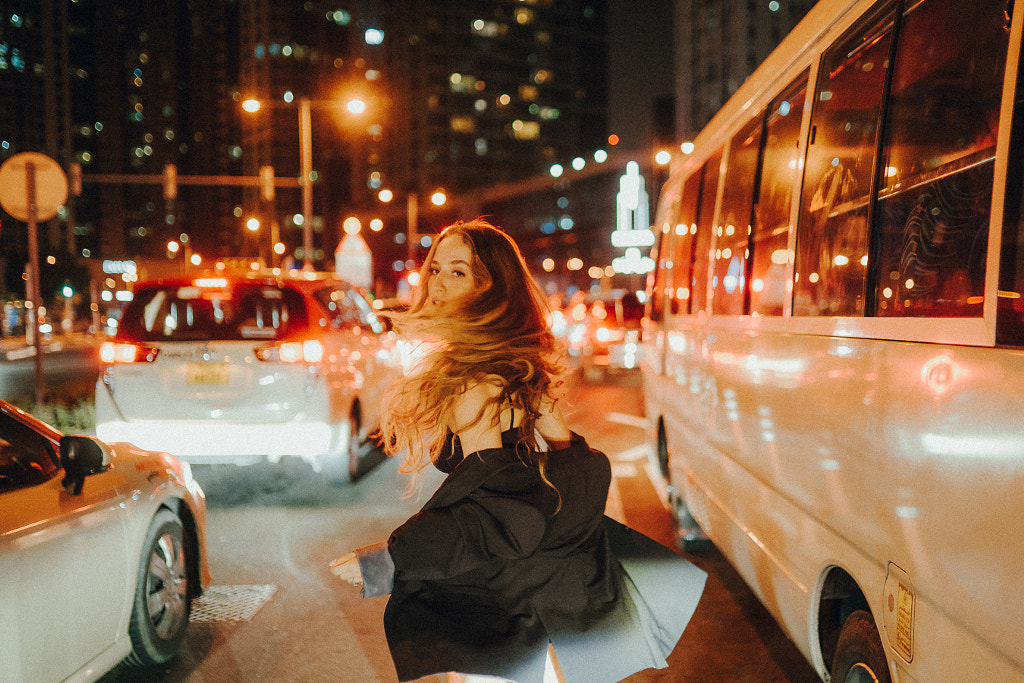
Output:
x=51 y=186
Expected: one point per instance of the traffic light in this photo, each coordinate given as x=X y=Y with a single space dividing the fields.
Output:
x=170 y=181
x=267 y=183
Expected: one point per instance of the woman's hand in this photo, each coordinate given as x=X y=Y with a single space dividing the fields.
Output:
x=347 y=567
x=551 y=425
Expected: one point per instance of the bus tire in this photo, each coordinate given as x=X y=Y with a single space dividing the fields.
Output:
x=860 y=657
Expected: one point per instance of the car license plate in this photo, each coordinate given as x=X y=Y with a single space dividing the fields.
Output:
x=205 y=373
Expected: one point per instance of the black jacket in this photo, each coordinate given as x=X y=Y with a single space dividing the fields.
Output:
x=498 y=563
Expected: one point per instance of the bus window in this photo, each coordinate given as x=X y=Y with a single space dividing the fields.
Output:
x=657 y=287
x=702 y=246
x=668 y=209
x=779 y=175
x=682 y=253
x=933 y=210
x=732 y=247
x=832 y=235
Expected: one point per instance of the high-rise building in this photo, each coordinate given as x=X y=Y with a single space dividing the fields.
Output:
x=44 y=69
x=719 y=43
x=458 y=96
x=488 y=92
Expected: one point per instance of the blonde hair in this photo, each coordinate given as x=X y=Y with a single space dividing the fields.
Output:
x=499 y=335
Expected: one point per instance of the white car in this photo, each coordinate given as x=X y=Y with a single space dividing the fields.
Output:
x=238 y=369
x=102 y=549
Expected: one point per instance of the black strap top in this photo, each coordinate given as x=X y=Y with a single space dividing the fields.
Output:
x=451 y=454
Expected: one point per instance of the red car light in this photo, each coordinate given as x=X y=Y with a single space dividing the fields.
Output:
x=308 y=351
x=118 y=352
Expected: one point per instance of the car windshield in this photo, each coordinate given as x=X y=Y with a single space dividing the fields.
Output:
x=192 y=312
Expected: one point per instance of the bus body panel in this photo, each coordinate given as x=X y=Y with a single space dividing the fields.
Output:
x=787 y=446
x=871 y=436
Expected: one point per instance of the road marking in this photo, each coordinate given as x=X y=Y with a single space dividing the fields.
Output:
x=632 y=454
x=629 y=420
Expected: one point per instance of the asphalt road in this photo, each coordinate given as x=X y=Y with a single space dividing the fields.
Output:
x=276 y=613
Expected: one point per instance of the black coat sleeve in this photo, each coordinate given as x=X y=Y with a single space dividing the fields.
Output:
x=440 y=543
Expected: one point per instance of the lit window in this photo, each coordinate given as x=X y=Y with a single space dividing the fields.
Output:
x=488 y=29
x=525 y=130
x=462 y=124
x=528 y=92
x=462 y=82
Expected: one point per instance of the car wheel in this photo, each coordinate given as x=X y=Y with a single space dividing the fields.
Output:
x=162 y=602
x=859 y=656
x=355 y=444
x=342 y=466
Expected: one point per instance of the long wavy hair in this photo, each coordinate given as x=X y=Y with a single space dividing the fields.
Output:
x=499 y=334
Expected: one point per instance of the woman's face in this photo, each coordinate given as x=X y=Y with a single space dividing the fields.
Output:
x=451 y=276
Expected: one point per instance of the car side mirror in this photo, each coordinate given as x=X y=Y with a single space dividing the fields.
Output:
x=81 y=456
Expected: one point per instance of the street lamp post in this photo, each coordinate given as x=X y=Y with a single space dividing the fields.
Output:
x=438 y=199
x=306 y=181
x=355 y=106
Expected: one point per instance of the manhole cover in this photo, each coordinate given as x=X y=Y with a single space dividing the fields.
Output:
x=230 y=603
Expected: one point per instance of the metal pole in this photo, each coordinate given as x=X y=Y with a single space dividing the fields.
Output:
x=306 y=172
x=33 y=281
x=412 y=219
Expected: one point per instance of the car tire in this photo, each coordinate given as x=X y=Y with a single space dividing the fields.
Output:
x=162 y=603
x=342 y=467
x=860 y=657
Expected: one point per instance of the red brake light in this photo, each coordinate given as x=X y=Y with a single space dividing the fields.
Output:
x=308 y=351
x=118 y=352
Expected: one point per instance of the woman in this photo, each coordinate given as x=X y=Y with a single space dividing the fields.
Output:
x=513 y=551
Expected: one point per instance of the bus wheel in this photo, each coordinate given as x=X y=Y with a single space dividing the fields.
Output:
x=859 y=656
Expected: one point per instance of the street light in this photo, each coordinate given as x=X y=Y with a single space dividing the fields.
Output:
x=355 y=106
x=412 y=208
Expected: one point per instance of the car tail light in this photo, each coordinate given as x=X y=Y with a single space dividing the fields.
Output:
x=308 y=351
x=118 y=352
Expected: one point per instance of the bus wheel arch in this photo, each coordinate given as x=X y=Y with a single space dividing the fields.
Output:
x=690 y=537
x=851 y=646
x=662 y=451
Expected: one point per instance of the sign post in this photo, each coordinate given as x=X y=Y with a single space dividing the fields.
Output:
x=32 y=188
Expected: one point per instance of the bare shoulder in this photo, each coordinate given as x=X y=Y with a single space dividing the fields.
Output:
x=475 y=416
x=477 y=396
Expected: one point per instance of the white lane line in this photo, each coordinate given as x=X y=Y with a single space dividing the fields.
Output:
x=629 y=420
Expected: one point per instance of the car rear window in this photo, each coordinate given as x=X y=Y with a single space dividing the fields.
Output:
x=191 y=312
x=632 y=309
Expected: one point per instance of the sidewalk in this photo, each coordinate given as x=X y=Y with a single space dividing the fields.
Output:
x=17 y=348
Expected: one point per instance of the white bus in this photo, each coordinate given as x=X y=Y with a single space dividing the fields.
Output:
x=834 y=343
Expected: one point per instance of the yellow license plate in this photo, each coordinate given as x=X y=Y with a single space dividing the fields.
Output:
x=201 y=373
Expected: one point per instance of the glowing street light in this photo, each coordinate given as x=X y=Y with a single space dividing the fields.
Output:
x=354 y=106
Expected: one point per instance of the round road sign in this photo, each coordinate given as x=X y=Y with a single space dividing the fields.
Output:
x=51 y=186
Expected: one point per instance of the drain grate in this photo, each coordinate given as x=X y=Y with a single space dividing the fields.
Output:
x=230 y=603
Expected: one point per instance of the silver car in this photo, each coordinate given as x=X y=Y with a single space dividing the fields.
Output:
x=102 y=550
